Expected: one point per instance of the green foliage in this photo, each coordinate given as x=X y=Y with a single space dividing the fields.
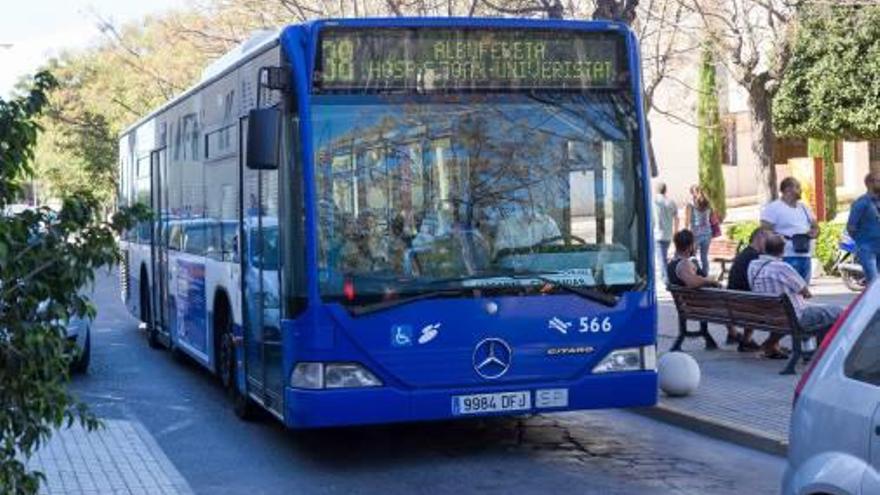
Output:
x=18 y=131
x=46 y=258
x=825 y=149
x=709 y=138
x=100 y=92
x=741 y=231
x=827 y=244
x=830 y=88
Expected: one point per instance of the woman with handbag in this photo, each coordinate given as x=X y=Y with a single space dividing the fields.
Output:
x=791 y=218
x=701 y=220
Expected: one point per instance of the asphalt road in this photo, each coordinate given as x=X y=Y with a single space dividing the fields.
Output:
x=607 y=452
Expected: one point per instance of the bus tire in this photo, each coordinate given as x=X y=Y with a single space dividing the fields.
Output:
x=147 y=313
x=226 y=366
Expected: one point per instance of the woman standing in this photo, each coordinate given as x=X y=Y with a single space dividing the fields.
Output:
x=698 y=218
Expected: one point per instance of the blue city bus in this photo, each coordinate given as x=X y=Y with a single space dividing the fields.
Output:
x=367 y=221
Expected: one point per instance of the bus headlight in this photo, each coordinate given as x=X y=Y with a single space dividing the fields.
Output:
x=348 y=375
x=316 y=376
x=629 y=359
x=308 y=375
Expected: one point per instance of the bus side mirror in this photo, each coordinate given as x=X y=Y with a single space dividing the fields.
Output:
x=264 y=131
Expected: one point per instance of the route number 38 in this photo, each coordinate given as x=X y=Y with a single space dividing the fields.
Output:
x=595 y=325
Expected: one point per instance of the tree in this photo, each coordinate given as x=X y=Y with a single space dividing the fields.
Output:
x=709 y=136
x=753 y=39
x=99 y=92
x=830 y=89
x=824 y=149
x=45 y=259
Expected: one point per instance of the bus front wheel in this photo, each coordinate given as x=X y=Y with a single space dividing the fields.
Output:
x=227 y=365
x=147 y=314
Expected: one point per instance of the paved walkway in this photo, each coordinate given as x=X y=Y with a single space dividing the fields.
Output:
x=740 y=393
x=121 y=458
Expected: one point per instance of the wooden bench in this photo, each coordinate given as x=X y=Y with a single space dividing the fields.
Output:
x=773 y=314
x=723 y=251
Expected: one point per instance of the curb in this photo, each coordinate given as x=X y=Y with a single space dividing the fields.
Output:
x=722 y=430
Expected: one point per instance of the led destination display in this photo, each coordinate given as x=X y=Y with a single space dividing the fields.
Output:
x=446 y=59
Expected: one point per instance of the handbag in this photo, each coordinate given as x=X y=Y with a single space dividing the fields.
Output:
x=800 y=243
x=715 y=223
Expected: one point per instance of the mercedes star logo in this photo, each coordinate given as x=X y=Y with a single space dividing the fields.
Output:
x=492 y=358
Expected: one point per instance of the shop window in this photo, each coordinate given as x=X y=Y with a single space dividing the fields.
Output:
x=787 y=148
x=728 y=141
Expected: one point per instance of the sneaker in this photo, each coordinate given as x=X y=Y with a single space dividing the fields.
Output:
x=750 y=346
x=774 y=354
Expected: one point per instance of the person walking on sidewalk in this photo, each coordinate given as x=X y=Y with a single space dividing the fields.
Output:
x=789 y=217
x=864 y=226
x=739 y=280
x=698 y=218
x=665 y=224
x=769 y=274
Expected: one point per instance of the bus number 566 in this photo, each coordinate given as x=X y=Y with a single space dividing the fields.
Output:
x=595 y=325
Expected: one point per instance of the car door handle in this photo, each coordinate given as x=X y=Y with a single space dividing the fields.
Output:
x=877 y=430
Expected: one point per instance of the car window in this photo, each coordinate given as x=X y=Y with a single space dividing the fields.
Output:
x=144 y=231
x=196 y=240
x=863 y=362
x=175 y=239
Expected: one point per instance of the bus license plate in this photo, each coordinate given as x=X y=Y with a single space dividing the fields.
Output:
x=484 y=403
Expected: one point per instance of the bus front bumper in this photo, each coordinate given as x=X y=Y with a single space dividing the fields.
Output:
x=362 y=406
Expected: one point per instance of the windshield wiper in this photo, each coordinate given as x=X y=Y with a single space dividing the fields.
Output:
x=601 y=297
x=365 y=309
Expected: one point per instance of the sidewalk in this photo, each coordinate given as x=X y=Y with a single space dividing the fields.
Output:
x=121 y=458
x=742 y=397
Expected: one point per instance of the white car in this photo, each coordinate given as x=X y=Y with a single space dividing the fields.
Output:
x=835 y=426
x=79 y=341
x=79 y=334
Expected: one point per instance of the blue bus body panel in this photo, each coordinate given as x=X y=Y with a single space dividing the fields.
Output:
x=327 y=408
x=435 y=358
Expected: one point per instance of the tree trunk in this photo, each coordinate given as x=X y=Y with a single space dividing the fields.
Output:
x=555 y=10
x=653 y=169
x=618 y=10
x=761 y=115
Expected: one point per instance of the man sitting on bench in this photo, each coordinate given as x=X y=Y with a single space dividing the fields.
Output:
x=683 y=269
x=739 y=280
x=770 y=275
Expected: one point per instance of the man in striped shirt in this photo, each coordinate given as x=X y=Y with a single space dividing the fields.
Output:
x=770 y=275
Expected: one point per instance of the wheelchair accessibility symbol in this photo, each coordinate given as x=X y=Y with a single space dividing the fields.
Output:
x=401 y=336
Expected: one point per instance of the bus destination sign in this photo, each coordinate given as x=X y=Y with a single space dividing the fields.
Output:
x=429 y=59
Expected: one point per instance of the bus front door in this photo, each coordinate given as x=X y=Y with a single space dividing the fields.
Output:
x=261 y=286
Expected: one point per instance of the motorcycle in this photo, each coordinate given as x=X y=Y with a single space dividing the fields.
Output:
x=848 y=266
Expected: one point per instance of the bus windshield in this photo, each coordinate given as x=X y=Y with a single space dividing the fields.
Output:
x=424 y=193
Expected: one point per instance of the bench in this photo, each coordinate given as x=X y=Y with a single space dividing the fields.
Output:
x=773 y=314
x=723 y=251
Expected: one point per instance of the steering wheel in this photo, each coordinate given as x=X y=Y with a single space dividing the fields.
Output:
x=565 y=238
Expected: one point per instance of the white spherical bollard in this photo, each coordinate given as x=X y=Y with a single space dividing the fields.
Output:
x=678 y=373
